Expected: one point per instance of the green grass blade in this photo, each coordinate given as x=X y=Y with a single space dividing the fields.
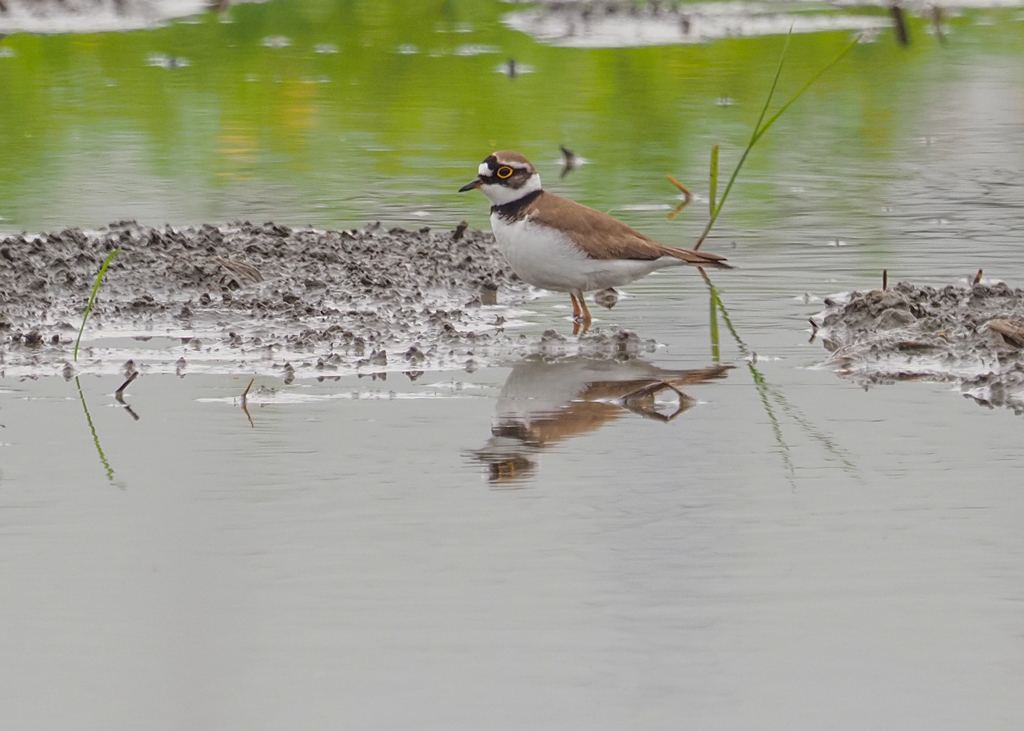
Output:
x=716 y=351
x=714 y=177
x=95 y=437
x=804 y=88
x=769 y=393
x=92 y=297
x=764 y=392
x=728 y=321
x=750 y=145
x=761 y=127
x=771 y=93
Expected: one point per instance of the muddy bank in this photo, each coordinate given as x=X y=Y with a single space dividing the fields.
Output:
x=95 y=16
x=627 y=23
x=969 y=336
x=268 y=299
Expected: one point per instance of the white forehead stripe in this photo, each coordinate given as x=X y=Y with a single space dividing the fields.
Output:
x=484 y=170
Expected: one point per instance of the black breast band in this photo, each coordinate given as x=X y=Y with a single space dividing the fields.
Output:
x=513 y=210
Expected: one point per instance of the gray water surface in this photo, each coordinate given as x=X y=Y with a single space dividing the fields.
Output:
x=841 y=558
x=789 y=551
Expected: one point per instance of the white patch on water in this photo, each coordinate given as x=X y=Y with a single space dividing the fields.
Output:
x=276 y=42
x=514 y=69
x=459 y=386
x=700 y=23
x=89 y=16
x=292 y=397
x=458 y=28
x=645 y=207
x=167 y=62
x=475 y=49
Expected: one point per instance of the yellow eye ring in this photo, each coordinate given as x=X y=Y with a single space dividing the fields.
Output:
x=504 y=172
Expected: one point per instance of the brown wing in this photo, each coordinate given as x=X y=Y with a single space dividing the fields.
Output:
x=604 y=237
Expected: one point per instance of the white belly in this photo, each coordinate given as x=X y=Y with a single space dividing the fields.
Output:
x=547 y=259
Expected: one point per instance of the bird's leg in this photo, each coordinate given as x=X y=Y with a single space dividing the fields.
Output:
x=587 y=319
x=581 y=318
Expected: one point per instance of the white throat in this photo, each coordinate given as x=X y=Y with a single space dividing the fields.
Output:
x=499 y=195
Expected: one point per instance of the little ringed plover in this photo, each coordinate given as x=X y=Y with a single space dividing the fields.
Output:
x=555 y=243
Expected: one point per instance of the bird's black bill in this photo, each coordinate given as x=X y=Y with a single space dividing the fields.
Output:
x=471 y=185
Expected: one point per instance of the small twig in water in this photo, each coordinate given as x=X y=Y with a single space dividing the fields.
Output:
x=681 y=187
x=899 y=21
x=119 y=393
x=245 y=403
x=570 y=161
x=687 y=197
x=937 y=18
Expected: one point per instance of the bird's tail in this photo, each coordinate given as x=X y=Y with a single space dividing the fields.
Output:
x=699 y=258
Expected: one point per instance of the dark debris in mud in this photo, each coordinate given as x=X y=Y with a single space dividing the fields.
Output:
x=970 y=336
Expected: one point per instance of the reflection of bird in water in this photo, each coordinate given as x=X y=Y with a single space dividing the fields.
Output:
x=607 y=297
x=545 y=402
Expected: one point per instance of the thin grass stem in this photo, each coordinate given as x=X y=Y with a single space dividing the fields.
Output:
x=716 y=351
x=750 y=145
x=92 y=297
x=95 y=437
x=759 y=130
x=804 y=88
x=714 y=178
x=769 y=393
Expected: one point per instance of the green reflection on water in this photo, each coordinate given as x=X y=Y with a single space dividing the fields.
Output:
x=89 y=128
x=95 y=435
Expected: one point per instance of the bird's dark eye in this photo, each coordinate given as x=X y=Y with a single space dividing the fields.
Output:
x=504 y=172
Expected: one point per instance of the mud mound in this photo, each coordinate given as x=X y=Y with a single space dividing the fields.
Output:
x=970 y=336
x=271 y=300
x=344 y=295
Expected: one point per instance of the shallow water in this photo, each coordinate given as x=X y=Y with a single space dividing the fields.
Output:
x=788 y=551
